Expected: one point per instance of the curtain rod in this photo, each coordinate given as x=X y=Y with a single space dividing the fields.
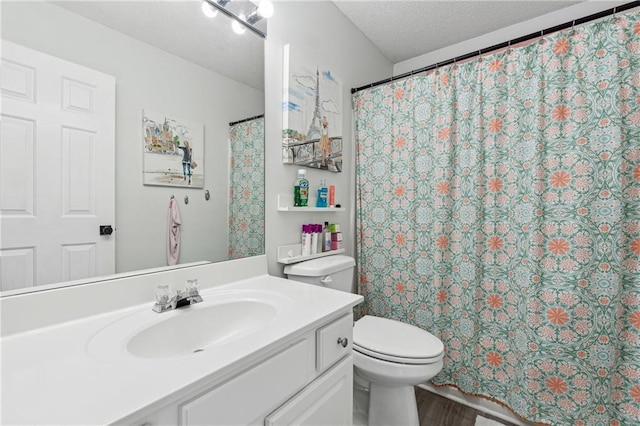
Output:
x=233 y=123
x=515 y=41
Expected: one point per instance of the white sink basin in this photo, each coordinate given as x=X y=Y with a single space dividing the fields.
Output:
x=221 y=319
x=195 y=328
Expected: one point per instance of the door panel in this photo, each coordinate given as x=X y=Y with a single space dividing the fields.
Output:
x=57 y=180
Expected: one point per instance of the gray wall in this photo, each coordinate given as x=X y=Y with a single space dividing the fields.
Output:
x=323 y=32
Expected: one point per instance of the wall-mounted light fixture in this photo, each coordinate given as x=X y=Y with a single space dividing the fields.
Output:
x=208 y=10
x=237 y=27
x=240 y=22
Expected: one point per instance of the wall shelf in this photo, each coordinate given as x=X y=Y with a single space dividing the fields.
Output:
x=285 y=204
x=291 y=254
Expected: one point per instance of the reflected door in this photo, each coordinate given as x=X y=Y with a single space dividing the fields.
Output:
x=57 y=165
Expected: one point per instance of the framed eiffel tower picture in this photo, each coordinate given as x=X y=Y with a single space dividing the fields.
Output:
x=312 y=114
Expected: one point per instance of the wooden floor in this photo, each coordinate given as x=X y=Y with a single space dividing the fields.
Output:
x=435 y=410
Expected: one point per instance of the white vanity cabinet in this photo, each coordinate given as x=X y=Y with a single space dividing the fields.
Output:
x=309 y=381
x=294 y=367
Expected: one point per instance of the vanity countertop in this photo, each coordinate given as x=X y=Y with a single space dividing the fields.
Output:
x=53 y=376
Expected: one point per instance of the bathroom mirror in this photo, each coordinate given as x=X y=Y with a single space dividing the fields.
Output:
x=169 y=58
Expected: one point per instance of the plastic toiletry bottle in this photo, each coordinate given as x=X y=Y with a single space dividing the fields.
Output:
x=332 y=196
x=301 y=190
x=306 y=241
x=323 y=193
x=314 y=239
x=336 y=236
x=326 y=237
x=320 y=241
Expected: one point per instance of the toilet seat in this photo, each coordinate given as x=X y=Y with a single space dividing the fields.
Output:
x=395 y=342
x=396 y=359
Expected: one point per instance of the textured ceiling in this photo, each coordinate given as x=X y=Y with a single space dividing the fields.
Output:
x=401 y=29
x=180 y=28
x=405 y=29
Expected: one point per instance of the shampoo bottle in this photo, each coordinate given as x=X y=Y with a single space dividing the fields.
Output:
x=320 y=241
x=306 y=241
x=314 y=239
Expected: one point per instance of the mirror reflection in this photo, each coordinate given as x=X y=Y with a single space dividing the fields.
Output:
x=78 y=75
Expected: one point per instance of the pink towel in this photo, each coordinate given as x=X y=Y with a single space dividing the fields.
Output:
x=173 y=233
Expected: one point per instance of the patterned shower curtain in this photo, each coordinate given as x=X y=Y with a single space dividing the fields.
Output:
x=499 y=208
x=246 y=189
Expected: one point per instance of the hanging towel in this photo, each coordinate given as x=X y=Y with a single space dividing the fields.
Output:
x=173 y=233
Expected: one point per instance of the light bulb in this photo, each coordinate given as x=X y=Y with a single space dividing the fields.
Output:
x=238 y=28
x=265 y=9
x=208 y=10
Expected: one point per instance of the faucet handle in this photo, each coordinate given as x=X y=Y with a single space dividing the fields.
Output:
x=163 y=294
x=192 y=287
x=164 y=300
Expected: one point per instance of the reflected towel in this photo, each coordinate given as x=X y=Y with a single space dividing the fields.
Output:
x=173 y=233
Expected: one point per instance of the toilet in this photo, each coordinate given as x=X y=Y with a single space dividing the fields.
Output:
x=389 y=357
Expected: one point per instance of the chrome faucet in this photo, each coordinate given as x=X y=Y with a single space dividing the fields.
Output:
x=188 y=296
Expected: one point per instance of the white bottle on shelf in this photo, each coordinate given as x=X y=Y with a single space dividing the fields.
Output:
x=306 y=241
x=314 y=239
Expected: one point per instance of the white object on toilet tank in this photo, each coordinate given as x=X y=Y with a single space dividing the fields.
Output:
x=334 y=272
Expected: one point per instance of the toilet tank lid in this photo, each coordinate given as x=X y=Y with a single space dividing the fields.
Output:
x=321 y=266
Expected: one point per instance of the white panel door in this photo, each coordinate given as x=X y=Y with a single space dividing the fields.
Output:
x=57 y=169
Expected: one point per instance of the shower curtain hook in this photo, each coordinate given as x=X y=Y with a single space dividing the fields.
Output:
x=573 y=27
x=509 y=47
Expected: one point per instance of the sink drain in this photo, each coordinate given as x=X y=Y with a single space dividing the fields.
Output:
x=198 y=350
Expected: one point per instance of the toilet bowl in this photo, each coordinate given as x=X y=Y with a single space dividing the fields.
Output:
x=393 y=357
x=389 y=357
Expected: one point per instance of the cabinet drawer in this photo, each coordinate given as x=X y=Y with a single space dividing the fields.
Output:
x=334 y=341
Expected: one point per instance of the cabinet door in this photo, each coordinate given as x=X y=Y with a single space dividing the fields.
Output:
x=326 y=401
x=251 y=395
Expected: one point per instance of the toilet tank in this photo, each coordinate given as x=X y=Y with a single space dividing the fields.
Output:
x=334 y=272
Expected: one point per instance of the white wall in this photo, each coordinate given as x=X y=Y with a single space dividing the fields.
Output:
x=531 y=26
x=147 y=78
x=324 y=33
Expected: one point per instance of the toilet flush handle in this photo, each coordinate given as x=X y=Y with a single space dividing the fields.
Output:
x=326 y=280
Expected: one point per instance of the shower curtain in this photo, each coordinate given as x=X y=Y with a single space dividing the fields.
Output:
x=246 y=189
x=498 y=207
